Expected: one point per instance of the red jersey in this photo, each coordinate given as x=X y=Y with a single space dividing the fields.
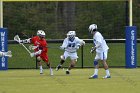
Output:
x=35 y=40
x=42 y=45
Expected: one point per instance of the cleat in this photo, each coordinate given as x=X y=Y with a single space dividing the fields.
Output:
x=93 y=77
x=106 y=77
x=41 y=73
x=51 y=74
x=67 y=72
x=58 y=67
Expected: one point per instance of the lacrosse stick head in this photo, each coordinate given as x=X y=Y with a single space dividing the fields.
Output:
x=9 y=54
x=16 y=38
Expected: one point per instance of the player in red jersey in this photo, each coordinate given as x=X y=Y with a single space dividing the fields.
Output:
x=40 y=49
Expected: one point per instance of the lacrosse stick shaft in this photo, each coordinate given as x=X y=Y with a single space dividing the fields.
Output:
x=25 y=48
x=52 y=47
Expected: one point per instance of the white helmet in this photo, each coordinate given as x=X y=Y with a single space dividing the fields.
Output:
x=92 y=27
x=41 y=33
x=71 y=35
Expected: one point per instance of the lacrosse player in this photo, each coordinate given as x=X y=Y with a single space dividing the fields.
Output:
x=101 y=49
x=40 y=49
x=8 y=54
x=70 y=44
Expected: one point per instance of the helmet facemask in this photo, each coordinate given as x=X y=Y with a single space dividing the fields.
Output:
x=71 y=35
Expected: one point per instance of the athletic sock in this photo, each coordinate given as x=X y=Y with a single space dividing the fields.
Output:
x=41 y=69
x=107 y=72
x=51 y=71
x=96 y=72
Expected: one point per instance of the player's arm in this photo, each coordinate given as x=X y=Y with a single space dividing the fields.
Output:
x=79 y=43
x=36 y=53
x=98 y=44
x=82 y=42
x=26 y=40
x=41 y=49
x=31 y=47
x=64 y=45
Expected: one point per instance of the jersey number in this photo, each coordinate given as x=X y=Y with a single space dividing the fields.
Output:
x=71 y=45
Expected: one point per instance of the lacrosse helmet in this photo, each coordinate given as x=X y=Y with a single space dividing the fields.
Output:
x=71 y=35
x=92 y=28
x=41 y=33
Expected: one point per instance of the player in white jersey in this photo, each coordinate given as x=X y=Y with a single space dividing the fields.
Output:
x=70 y=44
x=101 y=49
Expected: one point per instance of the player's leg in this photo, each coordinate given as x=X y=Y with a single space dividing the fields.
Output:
x=45 y=59
x=96 y=67
x=49 y=66
x=62 y=60
x=40 y=64
x=106 y=69
x=73 y=57
x=72 y=64
x=103 y=59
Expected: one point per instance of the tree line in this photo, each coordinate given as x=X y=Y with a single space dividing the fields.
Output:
x=57 y=18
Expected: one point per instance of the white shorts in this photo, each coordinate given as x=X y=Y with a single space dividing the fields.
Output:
x=101 y=55
x=73 y=56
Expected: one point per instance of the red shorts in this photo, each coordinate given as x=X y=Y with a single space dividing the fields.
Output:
x=44 y=57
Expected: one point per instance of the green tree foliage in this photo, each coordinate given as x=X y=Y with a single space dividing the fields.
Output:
x=56 y=18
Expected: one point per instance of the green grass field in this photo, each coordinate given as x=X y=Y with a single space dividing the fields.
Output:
x=30 y=81
x=21 y=59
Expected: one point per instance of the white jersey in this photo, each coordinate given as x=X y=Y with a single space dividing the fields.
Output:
x=99 y=41
x=71 y=46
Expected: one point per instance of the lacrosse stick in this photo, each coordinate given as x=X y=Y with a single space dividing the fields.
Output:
x=31 y=47
x=7 y=54
x=53 y=47
x=16 y=38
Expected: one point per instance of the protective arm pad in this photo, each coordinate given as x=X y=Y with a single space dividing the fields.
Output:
x=31 y=47
x=61 y=47
x=26 y=41
x=64 y=45
x=82 y=42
